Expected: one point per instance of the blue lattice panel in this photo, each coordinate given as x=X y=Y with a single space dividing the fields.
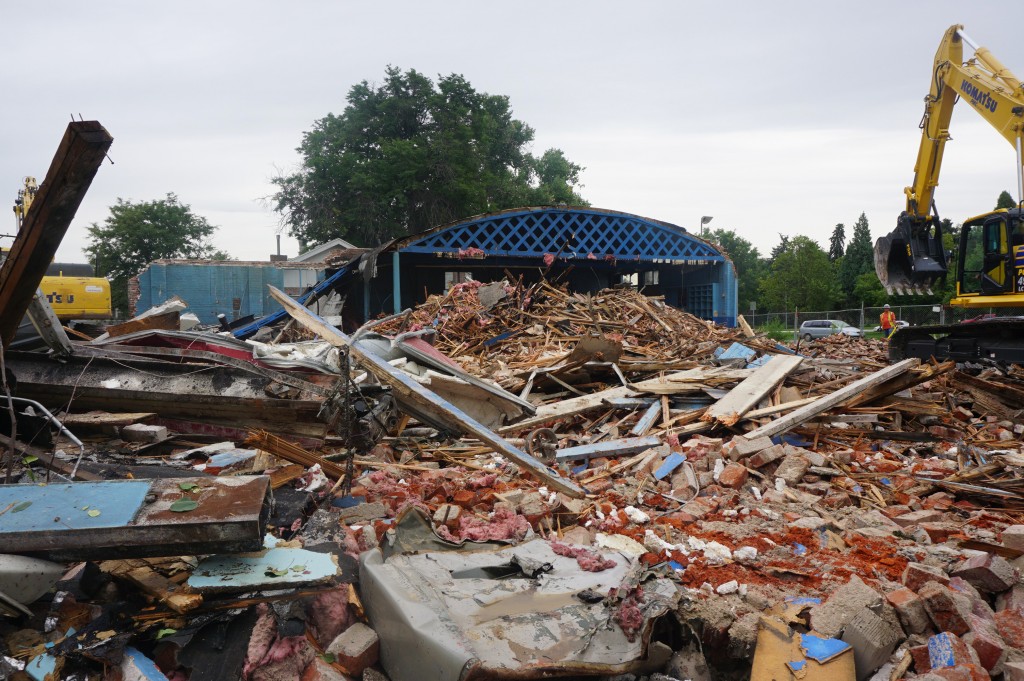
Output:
x=569 y=233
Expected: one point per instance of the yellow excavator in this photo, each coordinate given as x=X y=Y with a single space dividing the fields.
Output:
x=990 y=252
x=71 y=297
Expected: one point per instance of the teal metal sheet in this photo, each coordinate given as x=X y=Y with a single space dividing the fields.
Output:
x=75 y=506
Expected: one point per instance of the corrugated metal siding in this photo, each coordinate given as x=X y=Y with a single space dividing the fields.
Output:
x=234 y=290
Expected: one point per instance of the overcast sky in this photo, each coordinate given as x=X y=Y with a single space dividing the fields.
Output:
x=772 y=117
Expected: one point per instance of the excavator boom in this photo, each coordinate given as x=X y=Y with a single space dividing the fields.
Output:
x=911 y=259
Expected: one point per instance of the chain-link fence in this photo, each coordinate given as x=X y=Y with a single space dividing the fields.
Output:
x=868 y=318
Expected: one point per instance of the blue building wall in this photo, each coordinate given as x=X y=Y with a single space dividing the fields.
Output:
x=232 y=289
x=696 y=276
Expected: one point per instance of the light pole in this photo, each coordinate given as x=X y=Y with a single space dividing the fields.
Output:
x=703 y=221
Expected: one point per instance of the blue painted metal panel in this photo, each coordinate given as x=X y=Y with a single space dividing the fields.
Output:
x=276 y=568
x=579 y=234
x=211 y=289
x=335 y=279
x=114 y=503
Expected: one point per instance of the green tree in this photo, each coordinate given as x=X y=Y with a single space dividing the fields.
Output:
x=801 y=276
x=1005 y=200
x=136 y=234
x=837 y=243
x=409 y=154
x=858 y=259
x=779 y=248
x=747 y=260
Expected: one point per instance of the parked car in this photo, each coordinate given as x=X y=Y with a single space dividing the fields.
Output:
x=899 y=325
x=819 y=328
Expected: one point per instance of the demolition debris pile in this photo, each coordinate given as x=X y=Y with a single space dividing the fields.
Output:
x=660 y=497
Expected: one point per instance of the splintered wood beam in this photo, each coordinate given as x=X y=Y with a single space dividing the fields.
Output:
x=751 y=390
x=826 y=402
x=411 y=394
x=78 y=157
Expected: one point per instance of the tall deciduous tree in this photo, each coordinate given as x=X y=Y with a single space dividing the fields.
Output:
x=749 y=264
x=136 y=234
x=407 y=155
x=837 y=243
x=801 y=276
x=858 y=259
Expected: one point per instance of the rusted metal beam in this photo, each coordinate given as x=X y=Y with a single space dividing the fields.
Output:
x=78 y=157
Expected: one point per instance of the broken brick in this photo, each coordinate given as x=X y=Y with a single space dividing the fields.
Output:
x=917 y=575
x=356 y=648
x=987 y=643
x=917 y=517
x=987 y=572
x=1010 y=625
x=910 y=609
x=734 y=476
x=949 y=611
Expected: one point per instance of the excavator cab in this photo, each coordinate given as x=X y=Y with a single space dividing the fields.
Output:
x=911 y=258
x=991 y=258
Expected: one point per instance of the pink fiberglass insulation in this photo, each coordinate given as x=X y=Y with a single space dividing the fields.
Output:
x=588 y=560
x=328 y=615
x=629 y=617
x=481 y=481
x=264 y=633
x=503 y=525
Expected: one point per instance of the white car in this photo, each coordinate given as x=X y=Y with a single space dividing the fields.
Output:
x=819 y=328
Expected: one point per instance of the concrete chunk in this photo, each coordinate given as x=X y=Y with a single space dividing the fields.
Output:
x=741 y=447
x=141 y=432
x=829 y=618
x=873 y=640
x=910 y=609
x=792 y=469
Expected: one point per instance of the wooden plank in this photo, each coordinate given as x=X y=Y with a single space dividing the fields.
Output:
x=826 y=402
x=745 y=327
x=691 y=380
x=78 y=157
x=168 y=321
x=411 y=394
x=647 y=420
x=152 y=583
x=751 y=390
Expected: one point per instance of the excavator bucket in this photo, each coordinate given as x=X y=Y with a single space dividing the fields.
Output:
x=910 y=259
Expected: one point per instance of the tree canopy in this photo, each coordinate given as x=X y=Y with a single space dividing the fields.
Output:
x=409 y=154
x=136 y=234
x=748 y=262
x=801 y=276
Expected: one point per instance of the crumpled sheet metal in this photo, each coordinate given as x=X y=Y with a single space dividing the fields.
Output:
x=434 y=625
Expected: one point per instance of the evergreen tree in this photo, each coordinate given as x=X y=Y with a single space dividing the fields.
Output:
x=858 y=259
x=1005 y=201
x=837 y=243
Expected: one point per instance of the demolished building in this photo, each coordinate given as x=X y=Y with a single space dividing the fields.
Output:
x=512 y=479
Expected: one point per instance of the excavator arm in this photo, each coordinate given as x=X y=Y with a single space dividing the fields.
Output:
x=912 y=258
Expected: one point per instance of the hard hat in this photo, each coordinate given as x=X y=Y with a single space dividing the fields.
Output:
x=886 y=306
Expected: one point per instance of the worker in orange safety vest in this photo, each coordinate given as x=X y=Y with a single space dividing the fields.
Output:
x=888 y=321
